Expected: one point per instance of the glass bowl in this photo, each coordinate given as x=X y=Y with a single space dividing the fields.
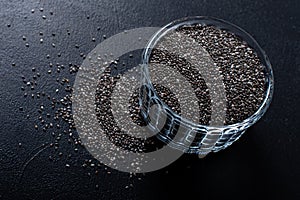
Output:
x=184 y=134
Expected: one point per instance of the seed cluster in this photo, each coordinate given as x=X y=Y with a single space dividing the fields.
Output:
x=106 y=119
x=242 y=72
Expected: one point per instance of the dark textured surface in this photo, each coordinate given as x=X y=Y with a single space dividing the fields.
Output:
x=265 y=161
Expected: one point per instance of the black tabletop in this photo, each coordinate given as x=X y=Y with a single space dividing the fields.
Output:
x=263 y=162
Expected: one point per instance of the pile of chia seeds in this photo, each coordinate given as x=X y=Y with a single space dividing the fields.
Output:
x=106 y=84
x=241 y=69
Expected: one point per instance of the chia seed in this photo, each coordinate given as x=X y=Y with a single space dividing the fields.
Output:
x=242 y=72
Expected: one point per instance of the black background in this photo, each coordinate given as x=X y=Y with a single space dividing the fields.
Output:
x=264 y=162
